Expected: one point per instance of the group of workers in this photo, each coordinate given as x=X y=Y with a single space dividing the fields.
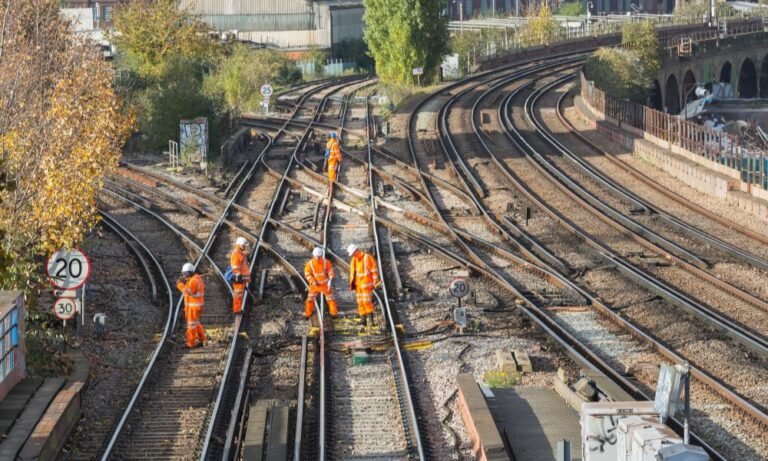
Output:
x=363 y=275
x=363 y=279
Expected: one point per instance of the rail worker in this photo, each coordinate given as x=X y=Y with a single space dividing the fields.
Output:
x=319 y=274
x=241 y=273
x=333 y=156
x=363 y=279
x=191 y=284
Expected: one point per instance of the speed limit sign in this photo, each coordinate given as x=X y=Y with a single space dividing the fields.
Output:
x=65 y=308
x=68 y=269
x=459 y=288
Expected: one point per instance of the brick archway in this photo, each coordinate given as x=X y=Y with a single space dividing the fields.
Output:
x=672 y=95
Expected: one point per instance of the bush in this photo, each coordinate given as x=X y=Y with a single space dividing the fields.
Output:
x=239 y=75
x=618 y=72
x=571 y=9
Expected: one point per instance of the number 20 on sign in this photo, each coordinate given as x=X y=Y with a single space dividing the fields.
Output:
x=68 y=269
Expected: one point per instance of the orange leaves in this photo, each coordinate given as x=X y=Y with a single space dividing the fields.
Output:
x=61 y=131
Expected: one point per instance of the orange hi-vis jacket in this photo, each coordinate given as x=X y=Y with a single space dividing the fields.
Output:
x=364 y=272
x=318 y=271
x=240 y=264
x=334 y=149
x=194 y=292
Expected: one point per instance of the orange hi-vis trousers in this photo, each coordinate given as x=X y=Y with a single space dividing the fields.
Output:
x=195 y=330
x=333 y=168
x=364 y=272
x=194 y=300
x=314 y=290
x=240 y=267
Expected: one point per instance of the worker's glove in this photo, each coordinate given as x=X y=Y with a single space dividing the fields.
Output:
x=238 y=278
x=182 y=279
x=377 y=284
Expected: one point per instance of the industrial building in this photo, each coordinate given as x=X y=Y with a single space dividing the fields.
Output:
x=288 y=24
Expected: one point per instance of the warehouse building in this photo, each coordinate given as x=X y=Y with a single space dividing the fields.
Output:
x=288 y=24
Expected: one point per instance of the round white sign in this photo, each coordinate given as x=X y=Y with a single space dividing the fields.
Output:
x=68 y=269
x=65 y=308
x=459 y=288
x=266 y=90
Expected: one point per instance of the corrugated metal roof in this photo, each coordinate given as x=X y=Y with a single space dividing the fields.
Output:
x=247 y=7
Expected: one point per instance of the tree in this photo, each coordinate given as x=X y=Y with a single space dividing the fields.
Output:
x=698 y=10
x=615 y=71
x=571 y=9
x=404 y=34
x=540 y=27
x=61 y=131
x=239 y=75
x=152 y=31
x=640 y=38
x=164 y=53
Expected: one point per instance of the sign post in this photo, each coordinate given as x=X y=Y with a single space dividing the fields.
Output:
x=68 y=271
x=459 y=288
x=418 y=72
x=266 y=93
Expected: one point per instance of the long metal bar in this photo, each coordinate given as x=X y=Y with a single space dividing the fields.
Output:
x=385 y=305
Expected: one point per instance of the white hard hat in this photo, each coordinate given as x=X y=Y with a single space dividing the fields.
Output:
x=188 y=267
x=317 y=252
x=351 y=249
x=241 y=241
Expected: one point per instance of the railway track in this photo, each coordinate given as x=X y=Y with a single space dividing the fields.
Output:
x=461 y=198
x=521 y=184
x=175 y=403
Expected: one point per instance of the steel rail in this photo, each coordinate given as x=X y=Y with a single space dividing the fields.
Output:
x=170 y=324
x=742 y=334
x=387 y=309
x=713 y=383
x=218 y=403
x=127 y=236
x=575 y=348
x=279 y=188
x=693 y=231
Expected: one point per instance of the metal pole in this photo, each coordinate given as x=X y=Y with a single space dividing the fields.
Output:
x=687 y=417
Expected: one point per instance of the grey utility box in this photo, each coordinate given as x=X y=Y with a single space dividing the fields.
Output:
x=682 y=452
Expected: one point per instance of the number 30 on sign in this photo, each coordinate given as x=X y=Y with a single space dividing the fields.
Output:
x=68 y=269
x=65 y=308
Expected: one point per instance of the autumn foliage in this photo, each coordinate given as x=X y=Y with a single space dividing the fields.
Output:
x=61 y=131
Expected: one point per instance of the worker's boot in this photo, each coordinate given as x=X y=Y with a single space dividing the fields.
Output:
x=363 y=321
x=371 y=322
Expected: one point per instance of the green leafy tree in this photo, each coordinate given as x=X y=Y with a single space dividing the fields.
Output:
x=641 y=39
x=163 y=55
x=177 y=94
x=615 y=71
x=239 y=75
x=404 y=34
x=150 y=32
x=571 y=9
